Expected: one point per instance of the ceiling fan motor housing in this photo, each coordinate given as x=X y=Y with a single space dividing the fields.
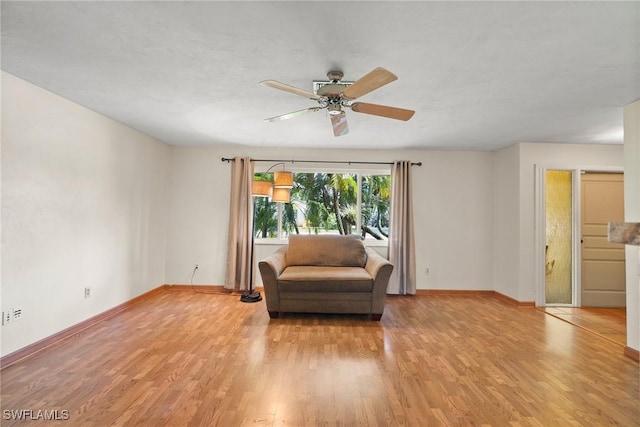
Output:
x=335 y=76
x=332 y=90
x=333 y=93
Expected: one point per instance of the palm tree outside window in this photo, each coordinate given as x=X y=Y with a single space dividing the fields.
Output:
x=328 y=203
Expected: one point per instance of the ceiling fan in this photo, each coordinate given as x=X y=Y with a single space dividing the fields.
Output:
x=335 y=94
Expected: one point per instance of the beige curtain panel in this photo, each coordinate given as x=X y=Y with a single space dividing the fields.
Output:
x=239 y=247
x=401 y=239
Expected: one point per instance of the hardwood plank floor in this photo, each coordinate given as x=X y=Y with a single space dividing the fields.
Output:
x=186 y=359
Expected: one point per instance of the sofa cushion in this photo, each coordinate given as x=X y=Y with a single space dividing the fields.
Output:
x=324 y=279
x=326 y=250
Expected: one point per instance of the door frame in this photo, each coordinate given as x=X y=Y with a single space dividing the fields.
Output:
x=539 y=189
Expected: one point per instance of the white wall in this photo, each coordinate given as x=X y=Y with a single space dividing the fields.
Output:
x=632 y=214
x=515 y=247
x=84 y=204
x=198 y=215
x=453 y=212
x=506 y=231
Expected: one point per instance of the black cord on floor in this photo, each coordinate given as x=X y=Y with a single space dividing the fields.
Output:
x=193 y=288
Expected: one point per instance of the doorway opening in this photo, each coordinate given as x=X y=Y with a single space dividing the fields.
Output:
x=575 y=265
x=559 y=238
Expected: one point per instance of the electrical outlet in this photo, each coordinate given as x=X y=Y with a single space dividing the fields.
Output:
x=196 y=267
x=17 y=313
x=427 y=271
x=87 y=292
x=7 y=316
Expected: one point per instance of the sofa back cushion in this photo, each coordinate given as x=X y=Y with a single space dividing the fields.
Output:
x=326 y=250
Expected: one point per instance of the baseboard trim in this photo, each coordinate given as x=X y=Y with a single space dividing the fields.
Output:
x=520 y=304
x=206 y=289
x=44 y=343
x=460 y=292
x=632 y=353
x=452 y=292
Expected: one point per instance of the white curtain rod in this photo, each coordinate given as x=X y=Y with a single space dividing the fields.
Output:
x=224 y=159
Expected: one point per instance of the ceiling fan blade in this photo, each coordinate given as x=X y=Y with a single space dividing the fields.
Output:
x=382 y=110
x=287 y=88
x=370 y=82
x=293 y=114
x=339 y=123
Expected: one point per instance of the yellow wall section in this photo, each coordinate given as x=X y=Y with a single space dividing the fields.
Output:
x=558 y=237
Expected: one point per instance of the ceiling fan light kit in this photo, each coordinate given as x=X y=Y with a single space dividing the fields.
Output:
x=335 y=94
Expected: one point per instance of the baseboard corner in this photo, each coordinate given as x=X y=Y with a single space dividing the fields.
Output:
x=632 y=353
x=513 y=301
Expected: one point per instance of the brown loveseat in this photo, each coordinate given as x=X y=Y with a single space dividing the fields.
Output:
x=325 y=274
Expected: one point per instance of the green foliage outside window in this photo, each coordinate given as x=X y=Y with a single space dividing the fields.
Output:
x=328 y=203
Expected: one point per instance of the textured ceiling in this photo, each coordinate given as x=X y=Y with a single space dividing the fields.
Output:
x=480 y=75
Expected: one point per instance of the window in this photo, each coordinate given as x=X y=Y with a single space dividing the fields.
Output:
x=328 y=203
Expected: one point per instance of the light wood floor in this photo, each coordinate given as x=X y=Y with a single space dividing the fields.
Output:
x=185 y=359
x=609 y=323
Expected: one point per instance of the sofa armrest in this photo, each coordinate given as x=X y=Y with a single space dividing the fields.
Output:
x=270 y=269
x=380 y=270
